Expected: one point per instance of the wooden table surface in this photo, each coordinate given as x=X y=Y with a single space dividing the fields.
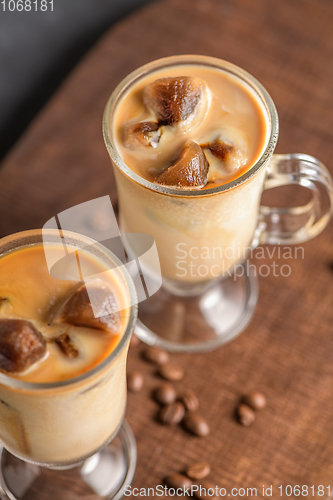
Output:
x=287 y=350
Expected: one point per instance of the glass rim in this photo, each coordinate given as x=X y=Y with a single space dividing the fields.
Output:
x=15 y=383
x=221 y=64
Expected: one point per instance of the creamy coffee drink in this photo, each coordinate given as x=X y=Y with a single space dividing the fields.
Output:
x=183 y=136
x=190 y=127
x=49 y=336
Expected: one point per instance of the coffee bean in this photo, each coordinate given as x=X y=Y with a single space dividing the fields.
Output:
x=196 y=424
x=199 y=470
x=135 y=381
x=256 y=400
x=165 y=393
x=190 y=400
x=172 y=372
x=156 y=355
x=178 y=481
x=207 y=490
x=172 y=414
x=134 y=341
x=246 y=415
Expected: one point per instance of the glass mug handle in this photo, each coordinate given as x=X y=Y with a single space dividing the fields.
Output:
x=296 y=224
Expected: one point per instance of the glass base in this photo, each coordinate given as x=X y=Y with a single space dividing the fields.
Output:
x=105 y=475
x=203 y=322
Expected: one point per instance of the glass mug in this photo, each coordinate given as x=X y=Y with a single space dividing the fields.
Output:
x=68 y=424
x=225 y=217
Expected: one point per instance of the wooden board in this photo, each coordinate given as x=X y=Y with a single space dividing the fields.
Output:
x=287 y=350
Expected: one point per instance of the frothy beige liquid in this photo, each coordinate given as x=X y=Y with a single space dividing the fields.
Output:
x=233 y=107
x=198 y=237
x=63 y=424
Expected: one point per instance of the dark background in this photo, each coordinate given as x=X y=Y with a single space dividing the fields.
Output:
x=38 y=50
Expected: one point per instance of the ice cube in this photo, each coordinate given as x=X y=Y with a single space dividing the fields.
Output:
x=65 y=344
x=78 y=310
x=226 y=151
x=181 y=100
x=21 y=345
x=188 y=171
x=142 y=134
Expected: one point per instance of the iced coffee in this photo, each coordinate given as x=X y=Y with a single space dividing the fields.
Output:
x=62 y=365
x=184 y=137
